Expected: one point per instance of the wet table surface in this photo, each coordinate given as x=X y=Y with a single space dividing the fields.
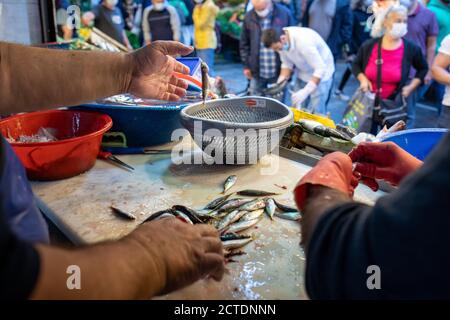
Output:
x=274 y=263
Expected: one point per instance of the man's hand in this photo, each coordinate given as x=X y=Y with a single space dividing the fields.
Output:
x=182 y=252
x=152 y=71
x=428 y=77
x=333 y=171
x=248 y=73
x=407 y=90
x=385 y=161
x=301 y=95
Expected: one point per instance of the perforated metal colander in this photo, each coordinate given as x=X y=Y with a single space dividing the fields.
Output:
x=237 y=130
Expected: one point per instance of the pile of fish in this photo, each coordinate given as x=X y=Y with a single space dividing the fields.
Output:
x=230 y=215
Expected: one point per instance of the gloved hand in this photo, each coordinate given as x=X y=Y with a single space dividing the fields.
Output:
x=383 y=160
x=301 y=95
x=332 y=171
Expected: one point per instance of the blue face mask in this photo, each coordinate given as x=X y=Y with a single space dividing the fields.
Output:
x=285 y=47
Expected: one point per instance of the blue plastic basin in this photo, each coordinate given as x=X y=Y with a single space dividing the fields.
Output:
x=418 y=142
x=141 y=126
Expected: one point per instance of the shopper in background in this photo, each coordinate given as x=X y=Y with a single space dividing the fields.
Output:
x=187 y=30
x=261 y=64
x=441 y=9
x=205 y=39
x=441 y=73
x=183 y=14
x=360 y=33
x=160 y=21
x=304 y=50
x=332 y=19
x=64 y=31
x=422 y=31
x=398 y=56
x=108 y=18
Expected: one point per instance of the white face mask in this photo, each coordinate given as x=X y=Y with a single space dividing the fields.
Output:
x=263 y=13
x=111 y=3
x=198 y=1
x=159 y=6
x=399 y=30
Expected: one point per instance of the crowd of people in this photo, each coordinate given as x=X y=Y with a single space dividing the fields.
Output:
x=301 y=41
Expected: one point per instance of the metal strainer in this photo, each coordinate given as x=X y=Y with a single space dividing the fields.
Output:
x=237 y=130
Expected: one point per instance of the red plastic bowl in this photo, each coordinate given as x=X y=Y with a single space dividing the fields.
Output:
x=79 y=136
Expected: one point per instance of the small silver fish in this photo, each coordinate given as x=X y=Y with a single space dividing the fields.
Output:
x=270 y=207
x=217 y=202
x=183 y=216
x=234 y=236
x=123 y=214
x=230 y=218
x=285 y=208
x=293 y=216
x=243 y=225
x=231 y=180
x=236 y=243
x=232 y=204
x=252 y=215
x=255 y=193
x=253 y=205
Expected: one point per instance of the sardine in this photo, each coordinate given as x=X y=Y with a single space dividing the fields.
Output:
x=294 y=216
x=232 y=253
x=231 y=180
x=123 y=214
x=188 y=212
x=159 y=214
x=236 y=244
x=284 y=207
x=251 y=215
x=230 y=218
x=242 y=225
x=234 y=236
x=217 y=202
x=232 y=204
x=256 y=193
x=183 y=216
x=253 y=205
x=270 y=207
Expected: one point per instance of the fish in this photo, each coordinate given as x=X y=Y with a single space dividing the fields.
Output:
x=192 y=215
x=236 y=243
x=232 y=253
x=183 y=216
x=234 y=236
x=252 y=215
x=232 y=204
x=284 y=207
x=205 y=81
x=256 y=193
x=123 y=214
x=160 y=214
x=270 y=207
x=253 y=205
x=242 y=225
x=230 y=218
x=231 y=180
x=217 y=202
x=293 y=216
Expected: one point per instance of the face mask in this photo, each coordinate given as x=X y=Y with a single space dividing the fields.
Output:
x=198 y=1
x=159 y=6
x=263 y=13
x=111 y=3
x=285 y=47
x=398 y=30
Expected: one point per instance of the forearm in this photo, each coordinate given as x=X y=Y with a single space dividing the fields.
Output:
x=285 y=73
x=441 y=75
x=122 y=270
x=415 y=83
x=35 y=78
x=319 y=200
x=431 y=50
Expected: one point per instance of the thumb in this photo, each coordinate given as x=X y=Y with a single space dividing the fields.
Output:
x=172 y=48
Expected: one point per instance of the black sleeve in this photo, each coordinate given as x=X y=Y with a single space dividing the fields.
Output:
x=357 y=65
x=419 y=63
x=406 y=234
x=347 y=25
x=19 y=265
x=244 y=44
